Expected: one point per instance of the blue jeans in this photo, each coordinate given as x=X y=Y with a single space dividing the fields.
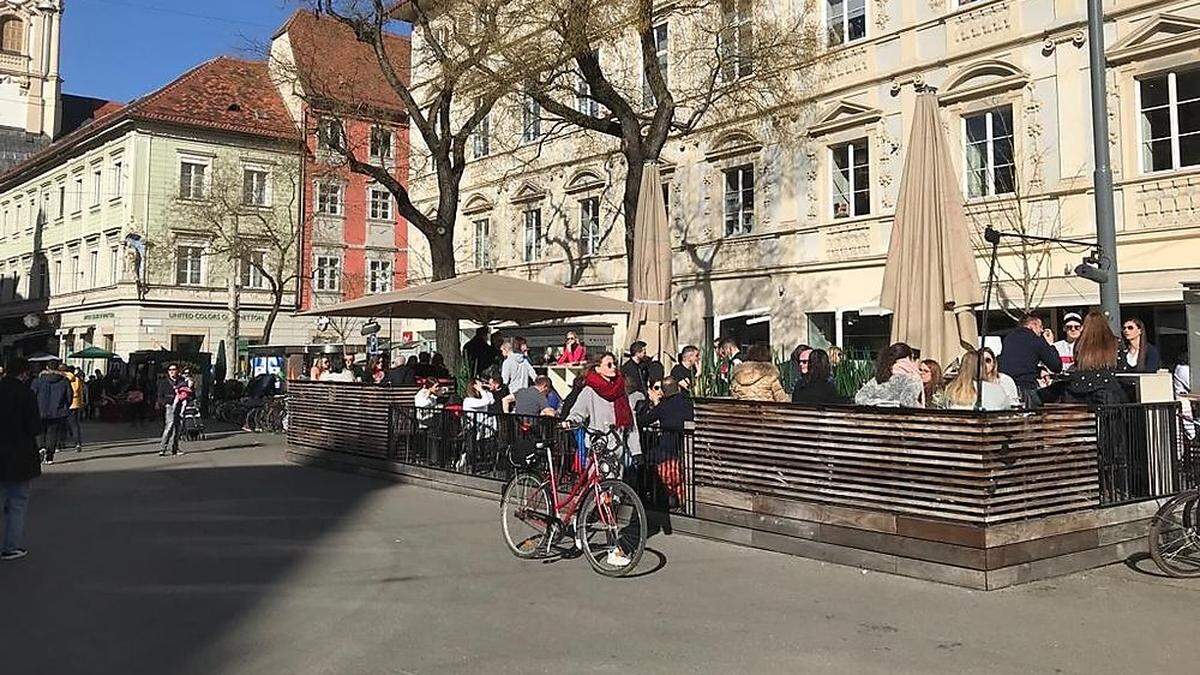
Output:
x=15 y=498
x=170 y=435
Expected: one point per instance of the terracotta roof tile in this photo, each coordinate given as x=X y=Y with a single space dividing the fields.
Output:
x=335 y=67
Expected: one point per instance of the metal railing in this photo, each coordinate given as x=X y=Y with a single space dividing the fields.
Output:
x=491 y=445
x=1143 y=452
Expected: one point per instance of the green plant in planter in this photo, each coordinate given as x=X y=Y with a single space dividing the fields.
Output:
x=708 y=380
x=851 y=374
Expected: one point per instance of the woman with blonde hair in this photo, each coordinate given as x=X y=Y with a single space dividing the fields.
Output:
x=961 y=393
x=991 y=373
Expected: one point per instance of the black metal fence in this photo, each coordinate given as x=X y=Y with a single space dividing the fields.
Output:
x=492 y=445
x=1143 y=452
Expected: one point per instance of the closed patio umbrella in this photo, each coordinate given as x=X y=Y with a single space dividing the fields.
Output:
x=931 y=283
x=652 y=318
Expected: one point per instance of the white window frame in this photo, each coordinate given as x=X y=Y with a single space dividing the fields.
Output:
x=483 y=242
x=531 y=219
x=339 y=190
x=205 y=178
x=739 y=226
x=989 y=187
x=1172 y=107
x=93 y=267
x=481 y=137
x=97 y=185
x=114 y=261
x=733 y=23
x=531 y=120
x=327 y=278
x=330 y=128
x=662 y=51
x=377 y=132
x=74 y=272
x=250 y=276
x=249 y=170
x=851 y=183
x=845 y=21
x=589 y=225
x=379 y=276
x=200 y=266
x=61 y=211
x=78 y=183
x=118 y=178
x=379 y=209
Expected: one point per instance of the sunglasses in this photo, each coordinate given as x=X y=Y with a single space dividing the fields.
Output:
x=657 y=387
x=1074 y=326
x=1129 y=327
x=803 y=361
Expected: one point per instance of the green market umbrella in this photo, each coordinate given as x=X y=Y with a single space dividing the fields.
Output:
x=92 y=352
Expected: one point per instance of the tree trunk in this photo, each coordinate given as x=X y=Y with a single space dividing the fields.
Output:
x=234 y=324
x=441 y=258
x=633 y=183
x=277 y=301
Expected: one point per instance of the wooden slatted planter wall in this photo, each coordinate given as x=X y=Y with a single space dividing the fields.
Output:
x=341 y=416
x=970 y=468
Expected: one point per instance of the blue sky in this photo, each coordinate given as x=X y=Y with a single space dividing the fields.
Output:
x=122 y=49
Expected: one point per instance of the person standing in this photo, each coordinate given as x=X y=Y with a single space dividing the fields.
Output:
x=670 y=412
x=1024 y=351
x=757 y=379
x=19 y=460
x=684 y=373
x=53 y=393
x=731 y=358
x=478 y=351
x=78 y=405
x=517 y=372
x=1072 y=327
x=817 y=388
x=1137 y=354
x=165 y=401
x=634 y=370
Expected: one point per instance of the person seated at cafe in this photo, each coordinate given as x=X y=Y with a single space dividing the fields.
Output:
x=991 y=373
x=1137 y=354
x=531 y=400
x=897 y=380
x=797 y=365
x=437 y=364
x=338 y=372
x=424 y=367
x=757 y=379
x=961 y=393
x=817 y=387
x=1093 y=378
x=1072 y=326
x=427 y=395
x=404 y=375
x=574 y=352
x=1024 y=352
x=932 y=378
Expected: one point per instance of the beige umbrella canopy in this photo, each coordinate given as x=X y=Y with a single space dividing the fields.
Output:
x=483 y=298
x=930 y=282
x=652 y=318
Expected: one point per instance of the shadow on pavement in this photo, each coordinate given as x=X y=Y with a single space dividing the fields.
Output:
x=143 y=570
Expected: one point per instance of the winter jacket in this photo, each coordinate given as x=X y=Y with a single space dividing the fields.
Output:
x=53 y=393
x=900 y=391
x=757 y=381
x=78 y=396
x=671 y=415
x=21 y=422
x=816 y=393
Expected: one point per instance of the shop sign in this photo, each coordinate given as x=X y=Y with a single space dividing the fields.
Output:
x=99 y=316
x=214 y=316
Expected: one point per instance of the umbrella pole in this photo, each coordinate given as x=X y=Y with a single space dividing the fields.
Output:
x=987 y=309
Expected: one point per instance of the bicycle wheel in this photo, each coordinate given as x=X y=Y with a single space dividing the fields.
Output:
x=1174 y=537
x=525 y=515
x=612 y=528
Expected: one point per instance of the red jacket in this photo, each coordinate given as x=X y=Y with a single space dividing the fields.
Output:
x=572 y=356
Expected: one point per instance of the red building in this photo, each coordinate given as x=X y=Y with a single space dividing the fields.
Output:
x=354 y=240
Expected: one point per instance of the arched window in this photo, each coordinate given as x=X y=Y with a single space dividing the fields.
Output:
x=12 y=34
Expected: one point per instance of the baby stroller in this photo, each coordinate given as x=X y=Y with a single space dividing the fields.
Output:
x=193 y=425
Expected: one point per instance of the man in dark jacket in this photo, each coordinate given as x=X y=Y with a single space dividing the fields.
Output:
x=165 y=401
x=53 y=393
x=671 y=412
x=19 y=459
x=1023 y=352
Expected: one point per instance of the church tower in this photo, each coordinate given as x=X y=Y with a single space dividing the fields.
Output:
x=30 y=87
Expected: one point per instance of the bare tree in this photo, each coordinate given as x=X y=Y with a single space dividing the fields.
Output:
x=249 y=218
x=445 y=105
x=716 y=60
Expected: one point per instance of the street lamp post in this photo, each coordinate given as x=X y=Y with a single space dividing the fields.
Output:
x=1106 y=226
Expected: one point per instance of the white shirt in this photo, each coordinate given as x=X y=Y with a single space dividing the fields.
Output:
x=994 y=398
x=424 y=399
x=1066 y=353
x=344 y=376
x=1009 y=387
x=481 y=404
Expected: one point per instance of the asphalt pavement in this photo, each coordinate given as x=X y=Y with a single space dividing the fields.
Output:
x=230 y=560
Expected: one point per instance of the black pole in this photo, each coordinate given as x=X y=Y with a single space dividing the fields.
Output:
x=1106 y=228
x=994 y=237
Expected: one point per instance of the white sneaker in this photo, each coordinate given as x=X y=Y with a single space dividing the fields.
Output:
x=617 y=559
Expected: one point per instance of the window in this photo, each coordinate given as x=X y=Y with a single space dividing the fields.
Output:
x=329 y=199
x=666 y=195
x=118 y=179
x=4 y=225
x=989 y=147
x=735 y=40
x=533 y=234
x=114 y=265
x=584 y=102
x=93 y=268
x=329 y=134
x=381 y=204
x=252 y=276
x=12 y=35
x=97 y=185
x=481 y=141
x=381 y=143
x=483 y=243
x=256 y=187
x=659 y=33
x=531 y=119
x=846 y=21
x=327 y=273
x=73 y=280
x=187 y=265
x=1170 y=121
x=589 y=224
x=380 y=276
x=851 y=179
x=739 y=200
x=57 y=279
x=78 y=189
x=18 y=221
x=191 y=180
x=62 y=202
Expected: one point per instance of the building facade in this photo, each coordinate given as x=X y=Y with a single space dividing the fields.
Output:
x=780 y=234
x=30 y=101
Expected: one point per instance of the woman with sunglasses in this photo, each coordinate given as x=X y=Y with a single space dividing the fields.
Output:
x=1137 y=354
x=991 y=373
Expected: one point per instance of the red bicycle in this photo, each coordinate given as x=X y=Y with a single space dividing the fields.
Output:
x=603 y=516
